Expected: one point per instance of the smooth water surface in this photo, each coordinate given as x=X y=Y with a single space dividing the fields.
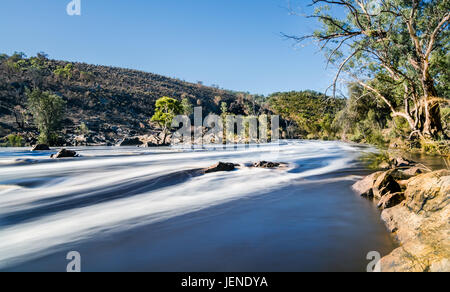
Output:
x=130 y=209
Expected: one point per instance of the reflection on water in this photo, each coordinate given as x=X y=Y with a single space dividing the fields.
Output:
x=149 y=210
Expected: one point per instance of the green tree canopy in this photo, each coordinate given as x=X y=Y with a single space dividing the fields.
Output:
x=47 y=110
x=166 y=110
x=395 y=49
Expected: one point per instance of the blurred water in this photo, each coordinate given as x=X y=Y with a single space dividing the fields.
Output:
x=130 y=209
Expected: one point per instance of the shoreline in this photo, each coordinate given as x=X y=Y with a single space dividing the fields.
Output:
x=414 y=203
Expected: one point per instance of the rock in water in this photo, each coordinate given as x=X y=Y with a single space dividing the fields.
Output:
x=385 y=184
x=265 y=164
x=416 y=170
x=63 y=153
x=40 y=147
x=364 y=187
x=221 y=166
x=131 y=142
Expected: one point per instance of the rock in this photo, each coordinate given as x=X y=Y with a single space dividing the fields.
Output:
x=391 y=200
x=265 y=164
x=416 y=170
x=384 y=165
x=131 y=142
x=401 y=162
x=364 y=187
x=421 y=226
x=384 y=184
x=428 y=193
x=40 y=147
x=63 y=153
x=221 y=166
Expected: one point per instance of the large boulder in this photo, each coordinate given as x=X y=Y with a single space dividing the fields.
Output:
x=421 y=226
x=364 y=187
x=64 y=153
x=386 y=183
x=428 y=193
x=40 y=147
x=221 y=166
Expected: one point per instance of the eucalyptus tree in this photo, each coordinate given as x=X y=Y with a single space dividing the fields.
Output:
x=397 y=50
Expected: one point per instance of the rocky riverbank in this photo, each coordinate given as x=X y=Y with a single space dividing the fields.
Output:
x=415 y=207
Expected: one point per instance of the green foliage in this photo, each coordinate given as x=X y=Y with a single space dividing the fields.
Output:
x=166 y=110
x=308 y=113
x=12 y=141
x=64 y=72
x=187 y=107
x=47 y=111
x=82 y=129
x=374 y=160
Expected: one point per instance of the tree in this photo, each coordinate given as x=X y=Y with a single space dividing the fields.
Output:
x=166 y=110
x=187 y=107
x=47 y=111
x=394 y=50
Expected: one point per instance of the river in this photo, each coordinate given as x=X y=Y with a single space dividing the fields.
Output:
x=132 y=209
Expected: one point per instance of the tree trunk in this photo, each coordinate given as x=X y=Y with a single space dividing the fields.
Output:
x=432 y=125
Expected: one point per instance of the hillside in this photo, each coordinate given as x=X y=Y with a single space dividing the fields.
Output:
x=113 y=101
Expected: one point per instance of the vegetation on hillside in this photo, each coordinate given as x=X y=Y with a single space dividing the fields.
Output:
x=306 y=114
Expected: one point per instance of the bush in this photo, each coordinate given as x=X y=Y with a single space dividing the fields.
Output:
x=12 y=141
x=47 y=111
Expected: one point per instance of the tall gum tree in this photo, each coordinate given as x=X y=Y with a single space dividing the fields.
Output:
x=390 y=48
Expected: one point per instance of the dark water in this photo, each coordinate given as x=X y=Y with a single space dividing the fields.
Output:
x=304 y=218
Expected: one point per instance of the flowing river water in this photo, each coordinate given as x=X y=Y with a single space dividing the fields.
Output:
x=132 y=209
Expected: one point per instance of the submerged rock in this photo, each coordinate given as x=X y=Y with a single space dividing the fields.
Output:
x=265 y=164
x=221 y=166
x=64 y=153
x=40 y=147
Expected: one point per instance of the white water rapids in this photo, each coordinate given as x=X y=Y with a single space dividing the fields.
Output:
x=46 y=204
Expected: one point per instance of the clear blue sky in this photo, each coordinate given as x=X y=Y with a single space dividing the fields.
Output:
x=233 y=43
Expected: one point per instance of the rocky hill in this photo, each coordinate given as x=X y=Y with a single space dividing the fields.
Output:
x=114 y=102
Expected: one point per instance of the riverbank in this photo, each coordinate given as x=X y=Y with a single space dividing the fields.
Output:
x=414 y=201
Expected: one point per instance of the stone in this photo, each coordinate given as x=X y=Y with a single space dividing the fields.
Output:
x=391 y=200
x=384 y=165
x=428 y=193
x=384 y=184
x=221 y=166
x=64 y=153
x=131 y=142
x=421 y=225
x=416 y=170
x=401 y=162
x=364 y=187
x=265 y=164
x=40 y=147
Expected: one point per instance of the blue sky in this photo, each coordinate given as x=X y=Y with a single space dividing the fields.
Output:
x=233 y=43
